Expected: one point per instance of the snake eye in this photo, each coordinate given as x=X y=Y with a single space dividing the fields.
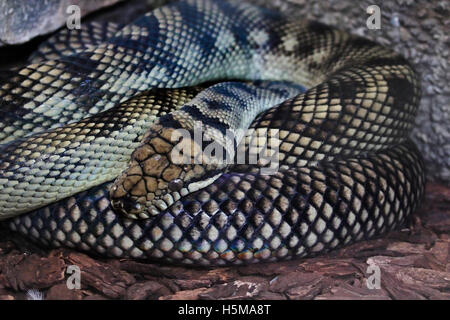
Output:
x=175 y=184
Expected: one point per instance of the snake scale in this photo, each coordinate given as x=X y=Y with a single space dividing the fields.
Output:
x=338 y=107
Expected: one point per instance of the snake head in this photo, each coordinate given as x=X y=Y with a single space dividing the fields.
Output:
x=160 y=172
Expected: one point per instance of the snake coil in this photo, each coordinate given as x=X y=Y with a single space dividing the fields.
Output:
x=72 y=118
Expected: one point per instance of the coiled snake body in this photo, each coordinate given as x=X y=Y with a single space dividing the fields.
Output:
x=347 y=170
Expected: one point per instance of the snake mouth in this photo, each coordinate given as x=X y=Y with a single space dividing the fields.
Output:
x=134 y=207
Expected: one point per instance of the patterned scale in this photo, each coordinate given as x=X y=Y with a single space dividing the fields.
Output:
x=69 y=41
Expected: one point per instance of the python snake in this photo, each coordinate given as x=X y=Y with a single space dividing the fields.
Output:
x=347 y=171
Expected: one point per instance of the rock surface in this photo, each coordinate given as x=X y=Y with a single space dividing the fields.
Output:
x=21 y=21
x=414 y=264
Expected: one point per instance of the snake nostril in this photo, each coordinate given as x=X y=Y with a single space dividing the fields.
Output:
x=126 y=205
